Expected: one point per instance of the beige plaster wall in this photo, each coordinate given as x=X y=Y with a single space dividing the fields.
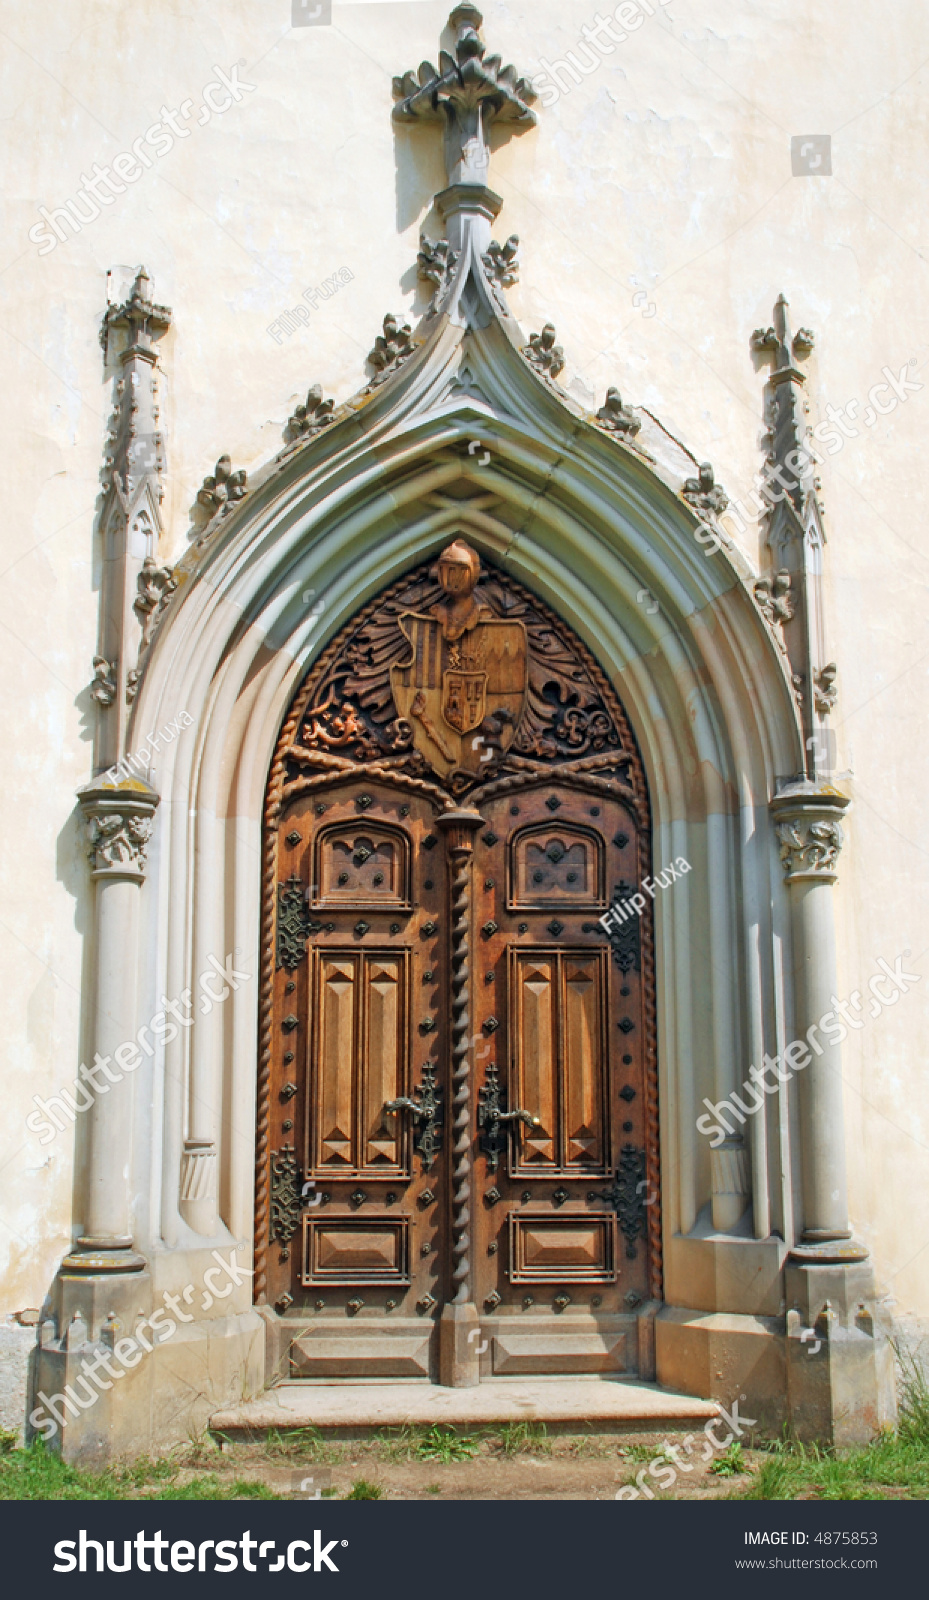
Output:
x=659 y=220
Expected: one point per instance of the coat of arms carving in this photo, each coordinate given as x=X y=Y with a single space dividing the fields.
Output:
x=462 y=689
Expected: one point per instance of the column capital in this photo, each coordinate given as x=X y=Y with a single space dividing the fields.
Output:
x=808 y=824
x=460 y=826
x=120 y=820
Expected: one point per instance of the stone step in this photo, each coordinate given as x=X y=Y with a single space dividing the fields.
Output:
x=590 y=1404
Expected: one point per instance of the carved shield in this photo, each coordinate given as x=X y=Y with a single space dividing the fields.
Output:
x=465 y=700
x=448 y=691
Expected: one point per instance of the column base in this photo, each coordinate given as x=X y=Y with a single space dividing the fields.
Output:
x=101 y=1255
x=117 y=1374
x=828 y=1249
x=88 y=1405
x=840 y=1369
x=459 y=1347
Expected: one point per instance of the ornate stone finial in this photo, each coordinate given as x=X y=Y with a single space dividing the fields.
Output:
x=391 y=347
x=103 y=688
x=467 y=94
x=544 y=353
x=704 y=493
x=313 y=417
x=617 y=418
x=223 y=488
x=778 y=339
x=139 y=317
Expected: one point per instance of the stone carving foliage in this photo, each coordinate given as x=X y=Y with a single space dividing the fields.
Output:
x=391 y=347
x=614 y=417
x=779 y=341
x=103 y=687
x=704 y=493
x=501 y=262
x=825 y=692
x=436 y=262
x=223 y=488
x=119 y=839
x=464 y=85
x=557 y=712
x=775 y=601
x=810 y=848
x=311 y=418
x=543 y=353
x=155 y=586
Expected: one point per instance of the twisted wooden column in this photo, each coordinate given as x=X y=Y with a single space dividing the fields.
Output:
x=458 y=1361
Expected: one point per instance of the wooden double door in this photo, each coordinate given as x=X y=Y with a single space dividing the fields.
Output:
x=457 y=1109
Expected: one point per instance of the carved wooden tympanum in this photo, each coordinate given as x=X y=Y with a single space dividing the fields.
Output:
x=457 y=1097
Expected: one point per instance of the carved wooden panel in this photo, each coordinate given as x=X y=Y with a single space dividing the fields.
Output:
x=557 y=866
x=360 y=1060
x=356 y=1250
x=362 y=866
x=554 y=1249
x=556 y=1009
x=478 y=998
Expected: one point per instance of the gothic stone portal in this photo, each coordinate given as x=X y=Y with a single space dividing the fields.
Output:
x=458 y=1088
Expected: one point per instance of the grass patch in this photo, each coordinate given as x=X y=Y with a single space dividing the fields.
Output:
x=363 y=1490
x=302 y=1444
x=895 y=1466
x=524 y=1439
x=731 y=1463
x=35 y=1474
x=426 y=1444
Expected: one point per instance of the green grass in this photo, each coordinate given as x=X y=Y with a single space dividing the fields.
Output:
x=302 y=1444
x=524 y=1438
x=895 y=1466
x=363 y=1490
x=35 y=1474
x=426 y=1444
x=731 y=1463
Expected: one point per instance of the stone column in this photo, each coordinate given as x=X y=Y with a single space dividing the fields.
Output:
x=119 y=821
x=809 y=832
x=459 y=1323
x=840 y=1382
x=102 y=1289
